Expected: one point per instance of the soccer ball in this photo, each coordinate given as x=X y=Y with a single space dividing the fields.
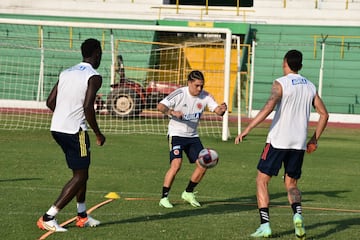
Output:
x=208 y=158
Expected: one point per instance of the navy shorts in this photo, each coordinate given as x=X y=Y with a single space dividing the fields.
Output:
x=76 y=148
x=272 y=158
x=191 y=147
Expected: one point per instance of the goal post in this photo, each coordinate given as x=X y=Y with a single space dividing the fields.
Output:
x=141 y=64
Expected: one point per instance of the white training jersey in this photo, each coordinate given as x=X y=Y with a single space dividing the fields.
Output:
x=192 y=108
x=289 y=126
x=69 y=116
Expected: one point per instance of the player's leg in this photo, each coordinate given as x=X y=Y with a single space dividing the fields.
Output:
x=262 y=193
x=169 y=178
x=175 y=166
x=76 y=150
x=263 y=200
x=293 y=166
x=294 y=194
x=170 y=175
x=83 y=219
x=192 y=150
x=268 y=166
x=294 y=197
x=72 y=187
x=189 y=195
x=69 y=191
x=198 y=174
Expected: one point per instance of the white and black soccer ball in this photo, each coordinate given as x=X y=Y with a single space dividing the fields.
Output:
x=208 y=158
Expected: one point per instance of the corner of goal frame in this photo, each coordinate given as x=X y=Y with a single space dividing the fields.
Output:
x=112 y=195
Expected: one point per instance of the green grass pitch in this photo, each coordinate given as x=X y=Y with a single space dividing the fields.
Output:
x=33 y=171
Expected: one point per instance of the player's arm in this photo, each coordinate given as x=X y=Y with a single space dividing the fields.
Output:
x=51 y=100
x=275 y=97
x=94 y=85
x=164 y=109
x=321 y=125
x=168 y=111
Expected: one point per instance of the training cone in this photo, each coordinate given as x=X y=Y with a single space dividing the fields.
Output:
x=112 y=195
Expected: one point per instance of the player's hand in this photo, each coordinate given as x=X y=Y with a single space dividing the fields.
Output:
x=100 y=139
x=221 y=109
x=240 y=137
x=177 y=114
x=311 y=147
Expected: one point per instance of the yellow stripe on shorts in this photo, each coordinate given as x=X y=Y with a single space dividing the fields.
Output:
x=170 y=140
x=83 y=152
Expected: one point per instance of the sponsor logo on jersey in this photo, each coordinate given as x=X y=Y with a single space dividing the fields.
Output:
x=298 y=81
x=191 y=116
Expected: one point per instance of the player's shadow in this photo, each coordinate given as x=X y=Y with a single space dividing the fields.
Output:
x=221 y=206
x=337 y=226
x=307 y=197
x=18 y=179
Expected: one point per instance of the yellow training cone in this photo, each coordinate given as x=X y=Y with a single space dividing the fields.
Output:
x=112 y=195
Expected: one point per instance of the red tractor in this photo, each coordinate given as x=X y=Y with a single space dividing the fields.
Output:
x=129 y=98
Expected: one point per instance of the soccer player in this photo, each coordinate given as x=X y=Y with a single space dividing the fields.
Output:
x=184 y=106
x=292 y=97
x=72 y=102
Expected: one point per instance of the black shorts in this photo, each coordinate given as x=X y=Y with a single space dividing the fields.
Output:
x=272 y=158
x=76 y=148
x=191 y=147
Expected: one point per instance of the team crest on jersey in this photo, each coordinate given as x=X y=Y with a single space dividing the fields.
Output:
x=176 y=152
x=199 y=106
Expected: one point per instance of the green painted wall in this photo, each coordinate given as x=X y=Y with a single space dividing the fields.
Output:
x=341 y=85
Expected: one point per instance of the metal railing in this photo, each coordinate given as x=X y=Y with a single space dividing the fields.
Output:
x=205 y=10
x=317 y=3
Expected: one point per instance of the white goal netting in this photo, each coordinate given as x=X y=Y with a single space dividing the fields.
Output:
x=141 y=65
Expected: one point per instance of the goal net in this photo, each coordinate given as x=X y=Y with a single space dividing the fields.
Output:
x=141 y=64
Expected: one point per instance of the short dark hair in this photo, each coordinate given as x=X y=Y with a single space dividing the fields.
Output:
x=89 y=46
x=294 y=60
x=195 y=75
